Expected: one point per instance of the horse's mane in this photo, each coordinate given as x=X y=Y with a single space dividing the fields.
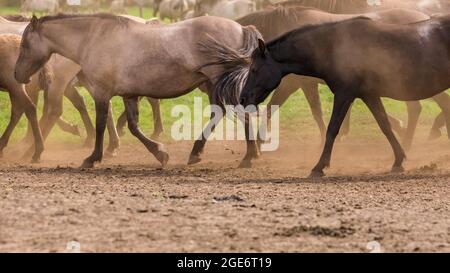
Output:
x=234 y=62
x=312 y=27
x=266 y=21
x=107 y=16
x=334 y=6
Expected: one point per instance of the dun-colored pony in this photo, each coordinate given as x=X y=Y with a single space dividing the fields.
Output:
x=121 y=57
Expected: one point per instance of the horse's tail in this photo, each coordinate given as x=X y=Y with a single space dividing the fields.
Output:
x=235 y=62
x=45 y=78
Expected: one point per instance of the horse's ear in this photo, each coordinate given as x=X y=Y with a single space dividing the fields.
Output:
x=261 y=46
x=34 y=22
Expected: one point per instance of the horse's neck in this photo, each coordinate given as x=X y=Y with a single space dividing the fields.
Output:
x=295 y=54
x=67 y=39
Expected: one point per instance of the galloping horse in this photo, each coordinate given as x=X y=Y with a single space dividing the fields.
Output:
x=402 y=62
x=158 y=61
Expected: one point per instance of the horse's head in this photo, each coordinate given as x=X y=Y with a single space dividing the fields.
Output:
x=34 y=52
x=263 y=77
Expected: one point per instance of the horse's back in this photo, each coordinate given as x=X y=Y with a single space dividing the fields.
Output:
x=393 y=59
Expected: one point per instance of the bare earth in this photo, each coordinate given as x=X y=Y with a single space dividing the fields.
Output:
x=128 y=203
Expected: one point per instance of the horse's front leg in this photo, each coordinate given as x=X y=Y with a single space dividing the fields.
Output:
x=414 y=108
x=101 y=111
x=114 y=140
x=311 y=91
x=16 y=114
x=200 y=142
x=78 y=102
x=157 y=149
x=376 y=107
x=252 y=147
x=158 y=127
x=30 y=111
x=443 y=100
x=341 y=105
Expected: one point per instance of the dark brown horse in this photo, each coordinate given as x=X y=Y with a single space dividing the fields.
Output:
x=287 y=16
x=402 y=62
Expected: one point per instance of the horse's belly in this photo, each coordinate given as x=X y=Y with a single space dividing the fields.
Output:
x=159 y=85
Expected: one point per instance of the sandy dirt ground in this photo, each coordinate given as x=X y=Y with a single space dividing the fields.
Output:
x=128 y=203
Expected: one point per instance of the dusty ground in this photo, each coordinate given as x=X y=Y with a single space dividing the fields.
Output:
x=129 y=204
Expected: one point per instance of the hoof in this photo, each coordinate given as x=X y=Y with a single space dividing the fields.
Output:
x=27 y=155
x=245 y=163
x=397 y=169
x=111 y=153
x=316 y=174
x=87 y=164
x=434 y=134
x=35 y=160
x=193 y=159
x=163 y=158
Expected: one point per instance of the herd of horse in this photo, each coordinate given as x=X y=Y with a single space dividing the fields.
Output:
x=359 y=51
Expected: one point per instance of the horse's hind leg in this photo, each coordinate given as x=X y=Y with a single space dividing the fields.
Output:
x=345 y=128
x=16 y=113
x=101 y=111
x=30 y=112
x=157 y=149
x=121 y=122
x=68 y=127
x=376 y=107
x=114 y=140
x=414 y=108
x=78 y=102
x=341 y=105
x=158 y=127
x=311 y=91
x=443 y=100
x=438 y=123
